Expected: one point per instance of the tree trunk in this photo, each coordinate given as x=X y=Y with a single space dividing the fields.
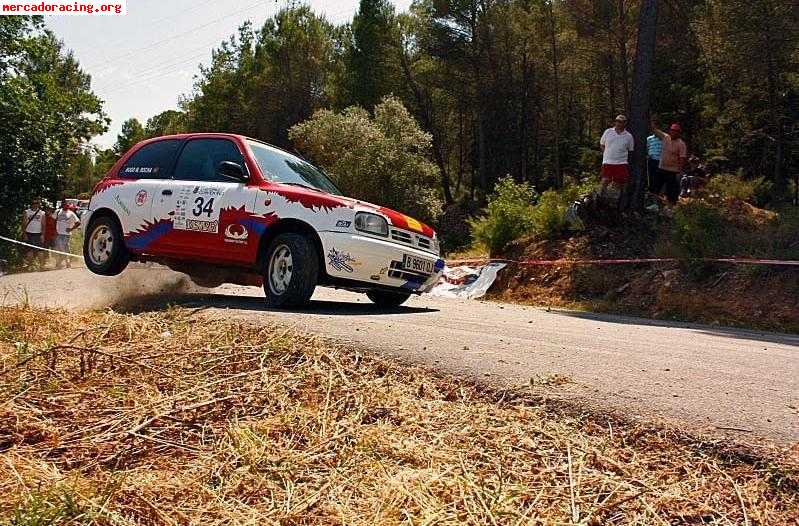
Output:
x=556 y=81
x=428 y=121
x=639 y=106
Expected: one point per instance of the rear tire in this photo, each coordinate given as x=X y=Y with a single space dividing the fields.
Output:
x=104 y=250
x=291 y=272
x=387 y=299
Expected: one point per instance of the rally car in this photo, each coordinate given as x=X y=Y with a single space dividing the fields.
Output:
x=227 y=208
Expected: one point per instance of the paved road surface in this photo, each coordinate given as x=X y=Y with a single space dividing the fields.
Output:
x=706 y=378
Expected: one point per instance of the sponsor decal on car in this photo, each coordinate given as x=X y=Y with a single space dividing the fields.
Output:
x=340 y=260
x=141 y=198
x=146 y=170
x=208 y=227
x=235 y=233
x=122 y=205
x=210 y=191
x=343 y=224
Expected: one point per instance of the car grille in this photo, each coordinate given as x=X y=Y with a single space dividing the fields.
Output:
x=412 y=240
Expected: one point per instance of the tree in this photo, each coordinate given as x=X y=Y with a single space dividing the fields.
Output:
x=749 y=51
x=132 y=133
x=380 y=158
x=262 y=83
x=370 y=58
x=169 y=122
x=48 y=113
x=639 y=110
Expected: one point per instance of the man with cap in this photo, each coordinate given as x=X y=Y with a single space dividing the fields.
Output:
x=672 y=161
x=616 y=144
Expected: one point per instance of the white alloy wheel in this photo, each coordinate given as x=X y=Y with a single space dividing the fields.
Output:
x=281 y=266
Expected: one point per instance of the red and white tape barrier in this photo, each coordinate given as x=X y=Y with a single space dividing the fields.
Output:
x=555 y=262
x=16 y=242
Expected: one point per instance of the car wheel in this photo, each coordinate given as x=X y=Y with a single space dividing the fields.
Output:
x=387 y=299
x=104 y=250
x=292 y=269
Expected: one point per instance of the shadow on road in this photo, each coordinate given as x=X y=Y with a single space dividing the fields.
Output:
x=252 y=303
x=727 y=332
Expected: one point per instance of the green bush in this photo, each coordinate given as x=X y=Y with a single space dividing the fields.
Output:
x=736 y=187
x=509 y=215
x=549 y=215
x=516 y=210
x=382 y=158
x=700 y=231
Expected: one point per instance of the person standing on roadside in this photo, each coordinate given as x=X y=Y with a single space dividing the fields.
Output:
x=33 y=224
x=654 y=147
x=616 y=144
x=672 y=161
x=66 y=221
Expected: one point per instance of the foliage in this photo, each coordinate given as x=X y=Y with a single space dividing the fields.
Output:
x=47 y=114
x=380 y=158
x=516 y=210
x=371 y=72
x=708 y=228
x=132 y=133
x=749 y=100
x=737 y=187
x=509 y=215
x=260 y=83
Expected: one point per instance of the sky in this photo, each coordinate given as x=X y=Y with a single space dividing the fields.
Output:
x=141 y=63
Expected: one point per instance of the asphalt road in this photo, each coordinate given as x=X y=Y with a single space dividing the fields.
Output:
x=739 y=383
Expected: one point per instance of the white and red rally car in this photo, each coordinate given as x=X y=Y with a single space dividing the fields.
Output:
x=225 y=208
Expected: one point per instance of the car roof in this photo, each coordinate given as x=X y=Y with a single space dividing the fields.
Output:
x=200 y=135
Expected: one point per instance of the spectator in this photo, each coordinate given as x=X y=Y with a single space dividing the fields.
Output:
x=654 y=146
x=695 y=178
x=33 y=223
x=48 y=230
x=616 y=144
x=66 y=222
x=672 y=161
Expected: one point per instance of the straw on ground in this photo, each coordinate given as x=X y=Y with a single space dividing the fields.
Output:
x=166 y=418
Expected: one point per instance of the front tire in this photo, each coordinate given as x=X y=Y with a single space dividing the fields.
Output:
x=104 y=250
x=387 y=299
x=292 y=271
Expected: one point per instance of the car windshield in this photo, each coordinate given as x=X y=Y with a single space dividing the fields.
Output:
x=281 y=167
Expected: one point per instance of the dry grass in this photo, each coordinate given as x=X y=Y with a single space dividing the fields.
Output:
x=164 y=418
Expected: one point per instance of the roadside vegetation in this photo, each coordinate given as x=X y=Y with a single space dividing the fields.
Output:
x=167 y=417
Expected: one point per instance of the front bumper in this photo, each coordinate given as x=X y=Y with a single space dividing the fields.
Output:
x=376 y=262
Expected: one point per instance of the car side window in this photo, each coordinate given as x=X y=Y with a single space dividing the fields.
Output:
x=201 y=157
x=151 y=161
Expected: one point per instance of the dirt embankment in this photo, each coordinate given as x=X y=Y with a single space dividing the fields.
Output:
x=736 y=295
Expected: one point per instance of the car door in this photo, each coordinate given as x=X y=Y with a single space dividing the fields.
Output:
x=202 y=204
x=144 y=174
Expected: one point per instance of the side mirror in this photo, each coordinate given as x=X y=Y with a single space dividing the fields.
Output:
x=232 y=170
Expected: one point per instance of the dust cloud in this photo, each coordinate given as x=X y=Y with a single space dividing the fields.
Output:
x=78 y=288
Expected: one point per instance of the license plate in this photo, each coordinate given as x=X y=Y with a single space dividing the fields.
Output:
x=412 y=263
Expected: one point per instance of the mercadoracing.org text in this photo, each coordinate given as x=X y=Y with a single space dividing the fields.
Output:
x=63 y=7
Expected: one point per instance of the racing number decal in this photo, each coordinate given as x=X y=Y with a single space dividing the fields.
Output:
x=195 y=209
x=202 y=207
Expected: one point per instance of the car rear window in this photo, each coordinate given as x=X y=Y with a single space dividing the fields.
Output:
x=201 y=157
x=152 y=161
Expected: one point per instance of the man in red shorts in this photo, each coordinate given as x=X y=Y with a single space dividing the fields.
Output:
x=616 y=143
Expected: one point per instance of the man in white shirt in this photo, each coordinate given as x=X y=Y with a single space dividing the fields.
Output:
x=32 y=227
x=616 y=144
x=65 y=222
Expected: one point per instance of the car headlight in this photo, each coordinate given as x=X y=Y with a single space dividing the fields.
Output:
x=371 y=223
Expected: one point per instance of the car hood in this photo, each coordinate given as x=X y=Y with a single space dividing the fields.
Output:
x=320 y=199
